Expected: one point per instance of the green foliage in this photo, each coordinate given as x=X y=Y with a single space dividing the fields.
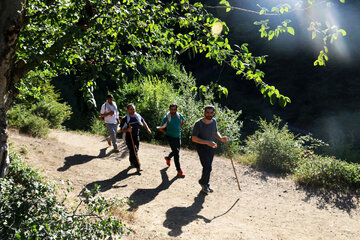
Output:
x=274 y=147
x=320 y=171
x=35 y=126
x=37 y=108
x=98 y=127
x=30 y=209
x=54 y=112
x=103 y=40
x=37 y=120
x=36 y=86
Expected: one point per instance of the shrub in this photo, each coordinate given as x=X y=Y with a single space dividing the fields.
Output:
x=98 y=127
x=29 y=209
x=320 y=171
x=275 y=148
x=35 y=126
x=54 y=112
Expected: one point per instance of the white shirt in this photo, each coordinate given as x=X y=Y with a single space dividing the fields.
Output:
x=106 y=108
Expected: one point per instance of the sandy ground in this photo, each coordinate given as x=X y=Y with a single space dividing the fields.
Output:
x=167 y=207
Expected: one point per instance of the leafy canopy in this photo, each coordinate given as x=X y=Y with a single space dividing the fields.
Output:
x=88 y=38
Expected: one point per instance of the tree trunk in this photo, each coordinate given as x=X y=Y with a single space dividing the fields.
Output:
x=11 y=24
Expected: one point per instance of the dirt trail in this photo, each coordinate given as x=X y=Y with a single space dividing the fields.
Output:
x=172 y=208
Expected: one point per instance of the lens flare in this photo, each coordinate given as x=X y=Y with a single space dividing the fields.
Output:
x=216 y=28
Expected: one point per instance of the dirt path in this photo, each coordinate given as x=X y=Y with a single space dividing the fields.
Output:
x=172 y=208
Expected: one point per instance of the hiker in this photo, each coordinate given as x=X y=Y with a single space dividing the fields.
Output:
x=109 y=113
x=204 y=132
x=171 y=126
x=130 y=124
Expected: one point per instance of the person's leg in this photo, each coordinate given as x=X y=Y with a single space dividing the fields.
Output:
x=175 y=149
x=132 y=157
x=206 y=156
x=112 y=131
x=176 y=142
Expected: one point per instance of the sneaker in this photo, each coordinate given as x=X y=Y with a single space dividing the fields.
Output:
x=109 y=141
x=210 y=188
x=180 y=174
x=205 y=189
x=139 y=169
x=168 y=161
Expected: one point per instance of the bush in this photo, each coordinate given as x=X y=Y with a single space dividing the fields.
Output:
x=320 y=171
x=29 y=209
x=274 y=148
x=37 y=120
x=35 y=126
x=54 y=112
x=98 y=127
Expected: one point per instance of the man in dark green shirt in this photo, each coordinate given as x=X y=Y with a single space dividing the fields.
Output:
x=171 y=126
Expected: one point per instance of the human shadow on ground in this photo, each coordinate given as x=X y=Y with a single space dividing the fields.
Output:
x=346 y=201
x=144 y=196
x=178 y=217
x=107 y=184
x=78 y=159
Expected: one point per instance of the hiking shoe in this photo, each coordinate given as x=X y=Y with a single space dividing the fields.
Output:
x=180 y=174
x=205 y=189
x=109 y=141
x=168 y=161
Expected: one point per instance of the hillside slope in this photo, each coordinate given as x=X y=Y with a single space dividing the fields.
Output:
x=166 y=207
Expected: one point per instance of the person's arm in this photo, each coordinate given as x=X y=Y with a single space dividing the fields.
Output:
x=198 y=140
x=103 y=114
x=219 y=137
x=181 y=121
x=146 y=127
x=129 y=129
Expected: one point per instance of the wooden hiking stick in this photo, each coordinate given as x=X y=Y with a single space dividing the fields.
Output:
x=132 y=141
x=232 y=163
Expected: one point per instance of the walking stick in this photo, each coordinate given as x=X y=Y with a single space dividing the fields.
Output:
x=232 y=163
x=132 y=141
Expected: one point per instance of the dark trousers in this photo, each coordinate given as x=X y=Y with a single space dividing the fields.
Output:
x=132 y=156
x=206 y=155
x=175 y=149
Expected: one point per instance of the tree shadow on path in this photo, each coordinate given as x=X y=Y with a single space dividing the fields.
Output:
x=177 y=217
x=144 y=196
x=107 y=184
x=344 y=201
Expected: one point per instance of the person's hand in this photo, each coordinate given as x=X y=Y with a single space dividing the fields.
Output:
x=111 y=113
x=149 y=131
x=129 y=130
x=212 y=144
x=223 y=139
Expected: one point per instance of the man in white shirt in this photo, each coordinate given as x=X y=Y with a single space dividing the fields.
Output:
x=109 y=112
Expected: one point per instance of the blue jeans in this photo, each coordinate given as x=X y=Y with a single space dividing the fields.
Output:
x=175 y=149
x=206 y=155
x=112 y=133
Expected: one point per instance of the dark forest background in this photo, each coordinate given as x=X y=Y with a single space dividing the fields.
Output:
x=325 y=100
